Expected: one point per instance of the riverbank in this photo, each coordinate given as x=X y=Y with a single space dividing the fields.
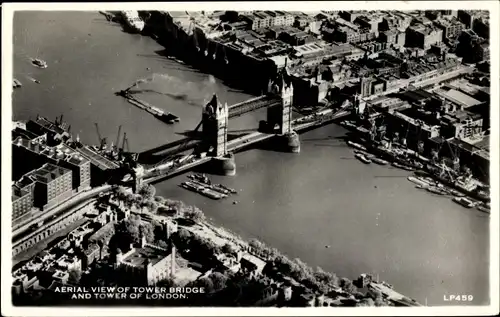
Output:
x=313 y=283
x=436 y=178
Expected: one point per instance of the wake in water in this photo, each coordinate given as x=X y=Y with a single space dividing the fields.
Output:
x=175 y=88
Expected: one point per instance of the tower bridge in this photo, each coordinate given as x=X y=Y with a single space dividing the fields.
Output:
x=215 y=148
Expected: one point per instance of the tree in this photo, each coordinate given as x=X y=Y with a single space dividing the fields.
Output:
x=347 y=285
x=310 y=283
x=147 y=191
x=160 y=200
x=130 y=230
x=228 y=249
x=256 y=244
x=329 y=280
x=151 y=205
x=205 y=283
x=374 y=294
x=284 y=265
x=182 y=239
x=177 y=205
x=74 y=276
x=219 y=280
x=194 y=214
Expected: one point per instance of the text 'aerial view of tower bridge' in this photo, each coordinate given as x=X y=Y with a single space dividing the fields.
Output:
x=251 y=158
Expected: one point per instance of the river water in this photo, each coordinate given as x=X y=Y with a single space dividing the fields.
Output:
x=372 y=218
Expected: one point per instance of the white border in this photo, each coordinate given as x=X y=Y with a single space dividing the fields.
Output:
x=7 y=20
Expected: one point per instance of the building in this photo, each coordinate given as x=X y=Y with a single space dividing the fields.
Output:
x=423 y=37
x=388 y=37
x=466 y=17
x=367 y=23
x=461 y=125
x=53 y=185
x=481 y=52
x=264 y=19
x=146 y=264
x=35 y=152
x=366 y=86
x=481 y=26
x=90 y=255
x=451 y=28
x=449 y=13
x=252 y=264
x=55 y=131
x=22 y=197
x=350 y=16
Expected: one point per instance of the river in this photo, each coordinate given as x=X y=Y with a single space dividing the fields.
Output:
x=372 y=218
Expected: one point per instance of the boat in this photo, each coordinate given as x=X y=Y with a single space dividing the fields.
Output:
x=16 y=83
x=464 y=202
x=39 y=63
x=211 y=194
x=483 y=209
x=363 y=158
x=190 y=186
x=455 y=192
x=231 y=190
x=417 y=181
x=36 y=81
x=417 y=165
x=405 y=167
x=202 y=178
x=356 y=145
x=348 y=124
x=483 y=194
x=361 y=152
x=379 y=161
x=467 y=187
x=435 y=190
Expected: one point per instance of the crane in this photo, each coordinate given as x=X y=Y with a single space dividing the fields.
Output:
x=124 y=139
x=117 y=144
x=102 y=141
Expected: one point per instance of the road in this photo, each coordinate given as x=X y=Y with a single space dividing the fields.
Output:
x=58 y=210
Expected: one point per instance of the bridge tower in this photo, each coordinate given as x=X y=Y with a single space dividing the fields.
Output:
x=279 y=118
x=215 y=122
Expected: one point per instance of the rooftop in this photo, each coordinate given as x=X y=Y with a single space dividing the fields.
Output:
x=49 y=172
x=460 y=98
x=139 y=256
x=96 y=159
x=18 y=132
x=259 y=263
x=18 y=192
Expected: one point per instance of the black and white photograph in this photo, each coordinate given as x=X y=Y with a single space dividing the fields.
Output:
x=222 y=155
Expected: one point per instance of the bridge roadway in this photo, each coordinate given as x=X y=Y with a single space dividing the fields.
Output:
x=234 y=111
x=235 y=145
